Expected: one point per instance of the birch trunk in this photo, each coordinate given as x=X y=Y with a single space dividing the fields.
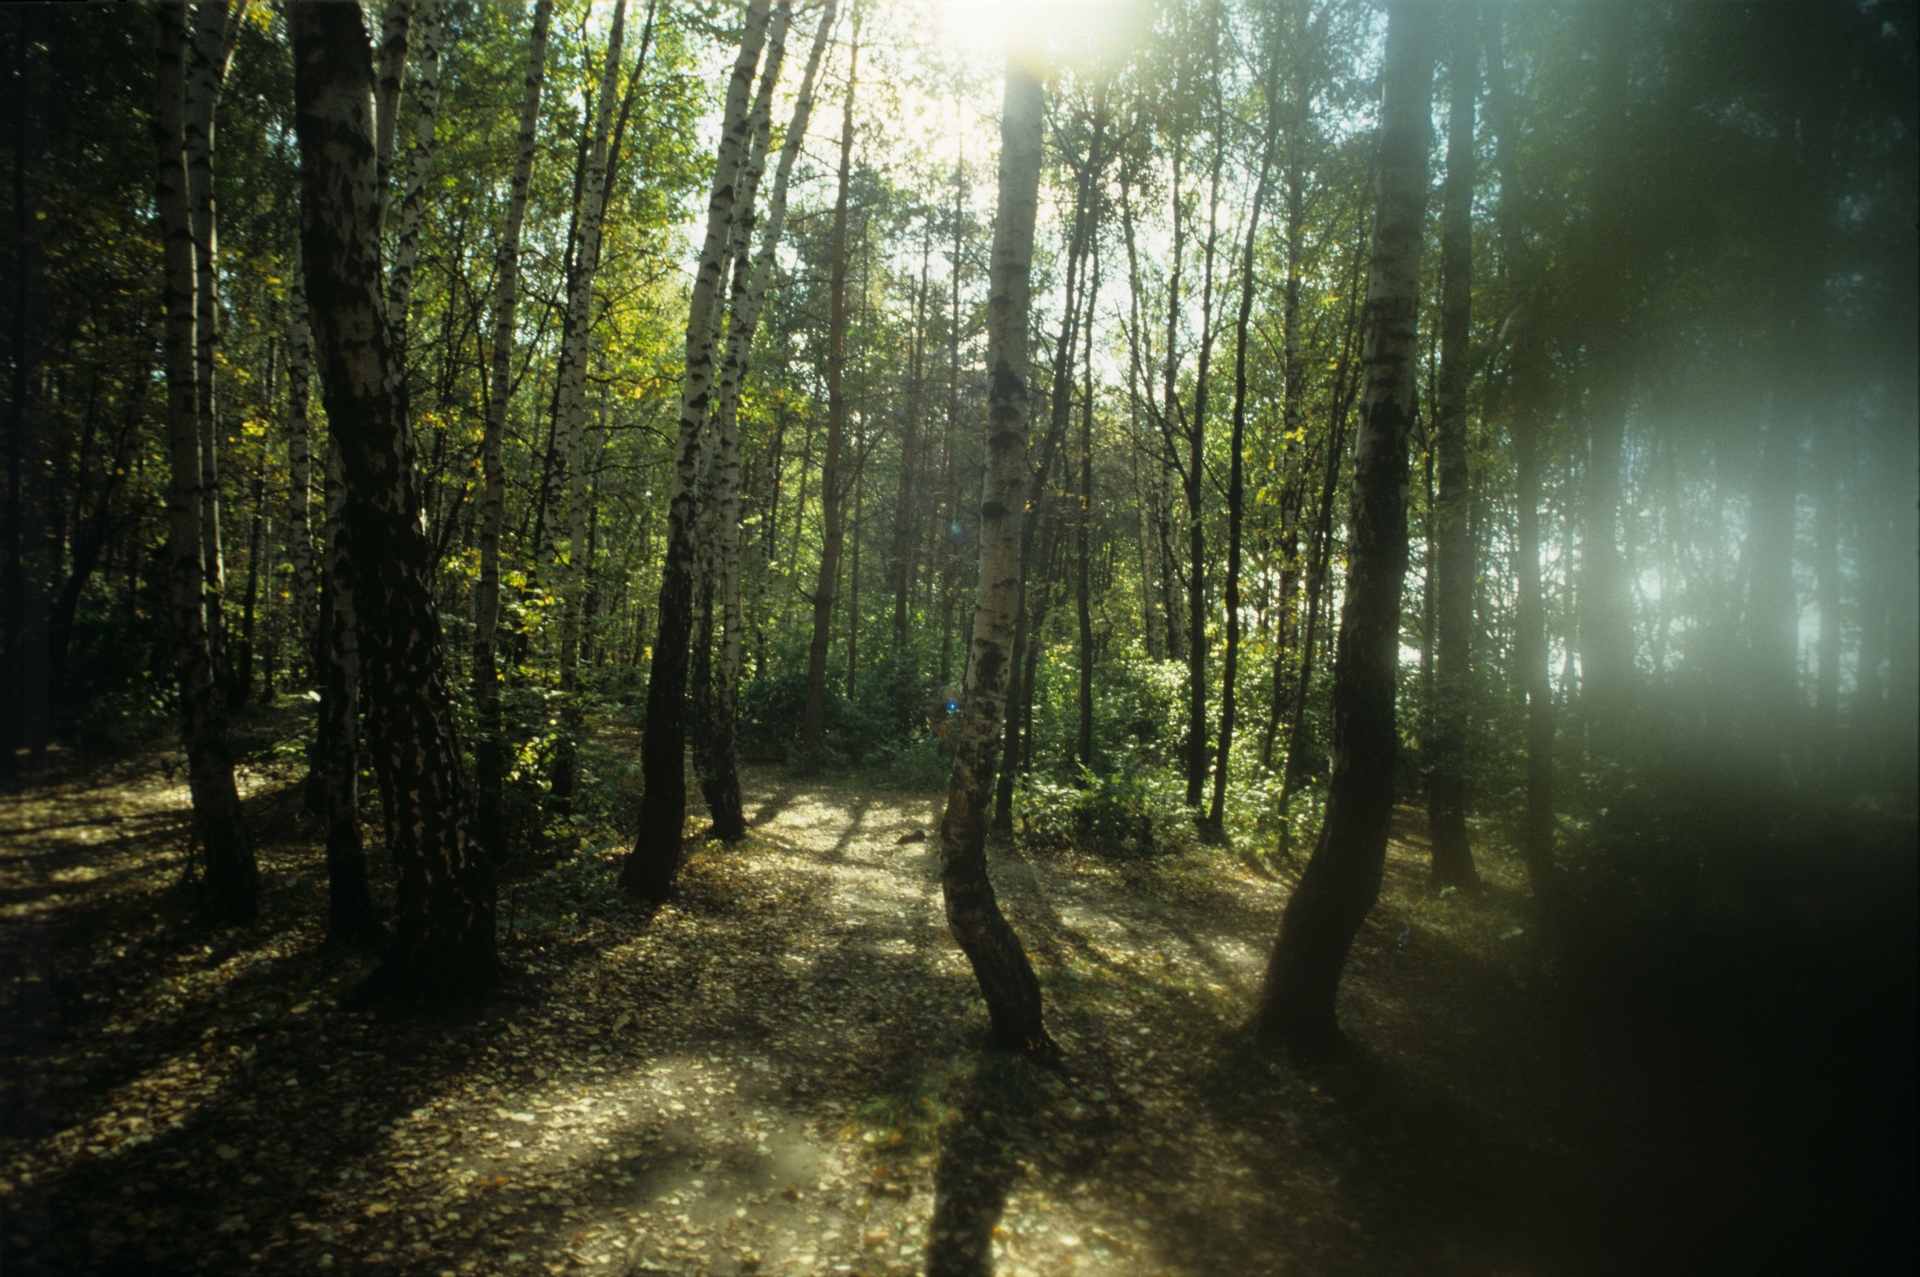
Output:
x=1453 y=543
x=749 y=296
x=490 y=747
x=214 y=29
x=701 y=691
x=406 y=251
x=826 y=583
x=443 y=948
x=572 y=423
x=231 y=887
x=1342 y=879
x=973 y=915
x=396 y=23
x=655 y=862
x=351 y=920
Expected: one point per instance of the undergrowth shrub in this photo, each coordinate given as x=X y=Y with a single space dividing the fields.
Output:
x=1129 y=813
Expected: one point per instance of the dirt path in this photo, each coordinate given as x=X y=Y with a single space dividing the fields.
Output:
x=780 y=1073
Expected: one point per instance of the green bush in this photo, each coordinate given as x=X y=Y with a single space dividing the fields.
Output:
x=1128 y=813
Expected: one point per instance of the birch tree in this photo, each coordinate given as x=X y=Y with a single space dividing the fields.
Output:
x=214 y=30
x=655 y=861
x=443 y=947
x=572 y=414
x=230 y=888
x=749 y=293
x=973 y=914
x=1342 y=878
x=489 y=747
x=420 y=163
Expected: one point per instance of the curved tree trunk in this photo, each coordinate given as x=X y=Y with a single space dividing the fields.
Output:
x=572 y=424
x=231 y=887
x=1342 y=879
x=443 y=948
x=651 y=869
x=490 y=746
x=1453 y=542
x=973 y=915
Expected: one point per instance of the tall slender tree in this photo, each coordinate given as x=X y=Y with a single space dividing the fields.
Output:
x=1342 y=878
x=744 y=308
x=832 y=485
x=655 y=862
x=1446 y=748
x=443 y=947
x=973 y=914
x=490 y=746
x=571 y=422
x=1526 y=394
x=215 y=28
x=1215 y=824
x=231 y=885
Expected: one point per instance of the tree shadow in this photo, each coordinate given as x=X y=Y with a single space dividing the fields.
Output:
x=979 y=1159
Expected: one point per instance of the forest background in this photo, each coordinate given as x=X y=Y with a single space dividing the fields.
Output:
x=1661 y=629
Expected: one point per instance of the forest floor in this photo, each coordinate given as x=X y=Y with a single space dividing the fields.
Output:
x=783 y=1072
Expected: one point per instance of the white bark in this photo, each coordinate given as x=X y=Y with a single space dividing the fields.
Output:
x=973 y=916
x=400 y=277
x=231 y=877
x=573 y=389
x=214 y=30
x=395 y=27
x=656 y=854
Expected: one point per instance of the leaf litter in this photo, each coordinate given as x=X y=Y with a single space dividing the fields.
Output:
x=781 y=1071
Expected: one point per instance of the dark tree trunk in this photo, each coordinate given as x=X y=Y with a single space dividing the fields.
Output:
x=443 y=948
x=1214 y=827
x=1320 y=552
x=1342 y=879
x=1445 y=746
x=1530 y=654
x=335 y=763
x=1082 y=592
x=28 y=652
x=813 y=726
